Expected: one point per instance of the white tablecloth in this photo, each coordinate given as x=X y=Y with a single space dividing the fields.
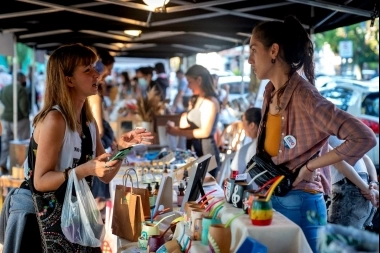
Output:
x=281 y=236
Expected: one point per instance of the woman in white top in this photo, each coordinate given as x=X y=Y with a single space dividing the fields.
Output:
x=251 y=121
x=65 y=136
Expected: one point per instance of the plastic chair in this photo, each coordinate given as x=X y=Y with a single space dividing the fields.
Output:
x=250 y=245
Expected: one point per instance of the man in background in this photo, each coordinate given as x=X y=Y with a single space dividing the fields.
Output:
x=23 y=124
x=181 y=100
x=162 y=82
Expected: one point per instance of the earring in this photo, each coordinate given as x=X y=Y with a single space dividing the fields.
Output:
x=273 y=61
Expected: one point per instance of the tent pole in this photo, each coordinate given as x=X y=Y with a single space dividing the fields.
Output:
x=33 y=82
x=242 y=61
x=15 y=102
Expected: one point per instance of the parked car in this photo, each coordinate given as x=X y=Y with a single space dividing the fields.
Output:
x=234 y=82
x=360 y=99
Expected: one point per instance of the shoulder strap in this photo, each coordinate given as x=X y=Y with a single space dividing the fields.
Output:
x=261 y=137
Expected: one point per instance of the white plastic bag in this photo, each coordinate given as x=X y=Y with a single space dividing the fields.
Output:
x=81 y=221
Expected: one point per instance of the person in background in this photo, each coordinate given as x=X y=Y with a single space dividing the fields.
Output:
x=32 y=80
x=162 y=82
x=125 y=86
x=65 y=140
x=23 y=123
x=349 y=207
x=297 y=122
x=199 y=123
x=222 y=91
x=144 y=77
x=225 y=117
x=182 y=99
x=5 y=77
x=251 y=121
x=104 y=67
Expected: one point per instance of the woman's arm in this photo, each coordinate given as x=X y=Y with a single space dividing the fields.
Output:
x=49 y=135
x=371 y=171
x=95 y=103
x=183 y=121
x=209 y=111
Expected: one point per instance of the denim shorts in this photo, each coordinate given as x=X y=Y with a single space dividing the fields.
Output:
x=349 y=207
x=295 y=206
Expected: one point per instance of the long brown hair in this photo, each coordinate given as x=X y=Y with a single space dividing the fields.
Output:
x=296 y=47
x=62 y=63
x=207 y=81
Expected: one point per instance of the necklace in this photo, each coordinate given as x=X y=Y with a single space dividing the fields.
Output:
x=277 y=107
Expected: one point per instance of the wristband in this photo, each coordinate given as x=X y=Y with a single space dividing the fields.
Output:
x=308 y=167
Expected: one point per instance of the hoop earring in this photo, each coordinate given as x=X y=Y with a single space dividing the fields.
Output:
x=273 y=61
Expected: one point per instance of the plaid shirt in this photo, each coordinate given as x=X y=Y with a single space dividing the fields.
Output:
x=311 y=119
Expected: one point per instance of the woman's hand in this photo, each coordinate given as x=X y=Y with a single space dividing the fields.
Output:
x=137 y=136
x=99 y=166
x=372 y=195
x=311 y=177
x=172 y=130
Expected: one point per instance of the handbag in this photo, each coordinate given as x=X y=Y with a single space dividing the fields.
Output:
x=128 y=214
x=48 y=205
x=263 y=169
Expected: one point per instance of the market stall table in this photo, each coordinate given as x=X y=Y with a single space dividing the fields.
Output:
x=281 y=236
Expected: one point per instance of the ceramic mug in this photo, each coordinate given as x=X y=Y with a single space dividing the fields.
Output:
x=206 y=223
x=248 y=197
x=188 y=204
x=196 y=213
x=189 y=210
x=142 y=243
x=219 y=238
x=155 y=242
x=149 y=229
x=230 y=183
x=170 y=247
x=261 y=212
x=197 y=235
x=237 y=194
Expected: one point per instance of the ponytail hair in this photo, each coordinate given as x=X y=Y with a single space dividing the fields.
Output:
x=296 y=48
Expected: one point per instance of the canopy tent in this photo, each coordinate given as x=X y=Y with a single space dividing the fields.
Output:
x=181 y=28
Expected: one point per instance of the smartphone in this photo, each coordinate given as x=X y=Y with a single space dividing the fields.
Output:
x=121 y=154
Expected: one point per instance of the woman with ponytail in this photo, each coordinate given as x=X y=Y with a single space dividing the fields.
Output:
x=297 y=122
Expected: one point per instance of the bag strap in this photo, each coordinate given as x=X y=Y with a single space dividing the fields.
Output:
x=261 y=136
x=128 y=171
x=125 y=179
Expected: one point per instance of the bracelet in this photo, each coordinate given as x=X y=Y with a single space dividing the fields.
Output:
x=308 y=167
x=66 y=173
x=374 y=182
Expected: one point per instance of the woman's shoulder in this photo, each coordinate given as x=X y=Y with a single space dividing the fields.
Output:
x=54 y=117
x=211 y=100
